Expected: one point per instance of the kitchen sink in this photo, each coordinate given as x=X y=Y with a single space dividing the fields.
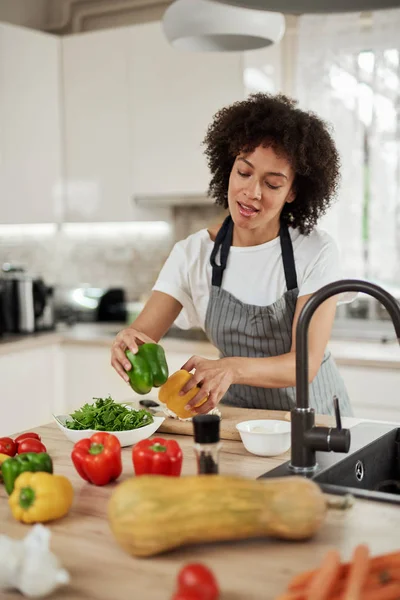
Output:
x=370 y=470
x=374 y=469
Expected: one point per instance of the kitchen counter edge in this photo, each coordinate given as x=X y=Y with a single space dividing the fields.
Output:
x=349 y=353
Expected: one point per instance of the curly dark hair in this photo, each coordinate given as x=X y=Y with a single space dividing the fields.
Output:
x=302 y=137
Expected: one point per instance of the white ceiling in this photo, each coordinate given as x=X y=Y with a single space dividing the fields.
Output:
x=298 y=7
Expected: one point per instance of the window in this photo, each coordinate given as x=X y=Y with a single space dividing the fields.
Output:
x=350 y=75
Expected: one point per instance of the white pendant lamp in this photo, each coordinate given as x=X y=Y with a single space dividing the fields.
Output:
x=299 y=7
x=208 y=26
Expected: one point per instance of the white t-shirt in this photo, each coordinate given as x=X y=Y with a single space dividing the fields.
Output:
x=254 y=274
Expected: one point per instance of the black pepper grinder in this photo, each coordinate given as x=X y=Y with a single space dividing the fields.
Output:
x=207 y=443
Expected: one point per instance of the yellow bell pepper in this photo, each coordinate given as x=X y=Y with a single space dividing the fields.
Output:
x=40 y=497
x=168 y=394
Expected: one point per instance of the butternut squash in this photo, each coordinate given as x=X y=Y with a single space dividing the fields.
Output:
x=168 y=394
x=152 y=514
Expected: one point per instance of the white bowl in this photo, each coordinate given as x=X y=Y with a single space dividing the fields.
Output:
x=265 y=437
x=126 y=438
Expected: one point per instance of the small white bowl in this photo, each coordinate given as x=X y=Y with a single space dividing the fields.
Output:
x=265 y=437
x=126 y=438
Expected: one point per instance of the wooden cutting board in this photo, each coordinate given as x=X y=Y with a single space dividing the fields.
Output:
x=231 y=416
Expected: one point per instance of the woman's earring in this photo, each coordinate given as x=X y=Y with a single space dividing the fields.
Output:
x=291 y=217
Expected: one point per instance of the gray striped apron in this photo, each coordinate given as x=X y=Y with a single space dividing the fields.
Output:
x=239 y=329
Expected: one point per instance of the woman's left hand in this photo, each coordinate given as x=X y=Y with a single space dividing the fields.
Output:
x=213 y=376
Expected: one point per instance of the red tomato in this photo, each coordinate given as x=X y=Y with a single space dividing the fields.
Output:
x=191 y=593
x=8 y=446
x=23 y=436
x=198 y=575
x=31 y=445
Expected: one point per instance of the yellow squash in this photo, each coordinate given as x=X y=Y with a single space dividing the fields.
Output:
x=168 y=394
x=149 y=515
x=40 y=497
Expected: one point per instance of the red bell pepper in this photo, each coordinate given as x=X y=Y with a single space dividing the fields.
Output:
x=8 y=446
x=30 y=445
x=98 y=459
x=157 y=457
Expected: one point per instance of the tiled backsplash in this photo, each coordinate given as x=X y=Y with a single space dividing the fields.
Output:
x=104 y=255
x=188 y=220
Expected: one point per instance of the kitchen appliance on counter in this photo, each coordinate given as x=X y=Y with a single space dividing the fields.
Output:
x=112 y=306
x=44 y=306
x=26 y=302
x=87 y=304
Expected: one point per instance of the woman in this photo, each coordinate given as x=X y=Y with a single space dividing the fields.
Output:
x=276 y=169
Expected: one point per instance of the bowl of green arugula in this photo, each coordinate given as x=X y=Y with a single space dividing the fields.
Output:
x=126 y=423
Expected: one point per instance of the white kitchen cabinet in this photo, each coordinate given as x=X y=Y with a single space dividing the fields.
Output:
x=30 y=126
x=373 y=392
x=31 y=388
x=174 y=96
x=97 y=128
x=136 y=112
x=88 y=374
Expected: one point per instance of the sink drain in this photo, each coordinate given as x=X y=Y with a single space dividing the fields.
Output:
x=359 y=470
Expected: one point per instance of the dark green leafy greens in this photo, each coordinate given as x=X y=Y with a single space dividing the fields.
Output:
x=107 y=415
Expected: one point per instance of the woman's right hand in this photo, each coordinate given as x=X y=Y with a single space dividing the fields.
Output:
x=127 y=339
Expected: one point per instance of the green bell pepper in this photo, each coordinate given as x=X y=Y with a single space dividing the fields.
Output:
x=27 y=461
x=149 y=368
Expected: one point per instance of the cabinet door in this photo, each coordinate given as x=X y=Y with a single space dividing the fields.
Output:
x=31 y=388
x=97 y=128
x=89 y=374
x=30 y=140
x=373 y=392
x=174 y=97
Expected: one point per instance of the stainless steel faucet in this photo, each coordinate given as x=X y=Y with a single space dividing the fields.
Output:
x=306 y=438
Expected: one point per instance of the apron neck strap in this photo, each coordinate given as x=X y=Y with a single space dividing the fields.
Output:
x=288 y=257
x=223 y=241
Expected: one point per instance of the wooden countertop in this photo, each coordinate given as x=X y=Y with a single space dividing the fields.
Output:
x=252 y=570
x=346 y=352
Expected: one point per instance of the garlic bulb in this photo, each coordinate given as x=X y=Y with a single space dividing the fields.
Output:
x=29 y=566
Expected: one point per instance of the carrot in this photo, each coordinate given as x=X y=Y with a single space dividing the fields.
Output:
x=374 y=581
x=358 y=572
x=385 y=592
x=324 y=580
x=291 y=596
x=382 y=561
